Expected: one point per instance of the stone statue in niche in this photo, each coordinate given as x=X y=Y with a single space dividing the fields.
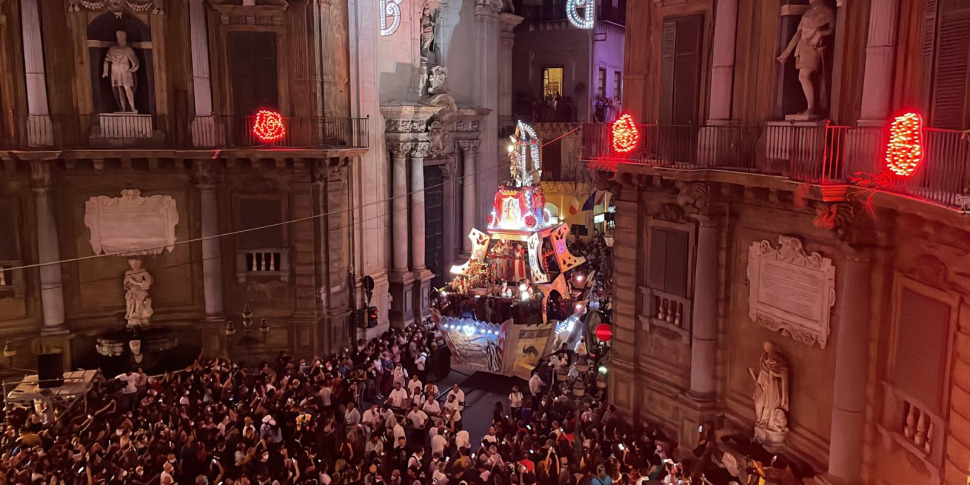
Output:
x=771 y=396
x=138 y=306
x=120 y=63
x=429 y=18
x=810 y=46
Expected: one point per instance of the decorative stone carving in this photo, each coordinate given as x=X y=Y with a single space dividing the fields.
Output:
x=771 y=397
x=834 y=217
x=693 y=197
x=429 y=18
x=439 y=138
x=138 y=305
x=400 y=150
x=121 y=63
x=810 y=45
x=40 y=173
x=421 y=149
x=469 y=146
x=467 y=126
x=670 y=213
x=791 y=291
x=118 y=6
x=207 y=172
x=405 y=126
x=131 y=224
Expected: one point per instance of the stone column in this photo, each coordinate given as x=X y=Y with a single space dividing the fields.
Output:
x=487 y=82
x=422 y=276
x=704 y=316
x=401 y=278
x=469 y=194
x=211 y=252
x=51 y=293
x=722 y=63
x=847 y=435
x=509 y=21
x=399 y=204
x=417 y=205
x=39 y=130
x=880 y=57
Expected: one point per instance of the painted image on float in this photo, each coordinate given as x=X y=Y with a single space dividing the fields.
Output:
x=474 y=344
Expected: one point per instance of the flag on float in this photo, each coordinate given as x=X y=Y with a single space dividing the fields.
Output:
x=575 y=205
x=600 y=194
x=590 y=201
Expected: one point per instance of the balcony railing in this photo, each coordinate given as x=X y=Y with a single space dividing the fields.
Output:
x=133 y=130
x=818 y=153
x=272 y=262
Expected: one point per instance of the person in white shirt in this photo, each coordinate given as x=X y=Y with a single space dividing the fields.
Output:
x=432 y=388
x=431 y=407
x=438 y=476
x=325 y=392
x=439 y=441
x=371 y=417
x=398 y=430
x=399 y=375
x=417 y=417
x=452 y=405
x=351 y=415
x=515 y=403
x=375 y=444
x=535 y=388
x=398 y=397
x=417 y=459
x=414 y=385
x=462 y=440
x=130 y=392
x=459 y=395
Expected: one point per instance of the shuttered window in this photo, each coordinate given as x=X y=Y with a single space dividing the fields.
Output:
x=922 y=334
x=949 y=22
x=680 y=69
x=669 y=252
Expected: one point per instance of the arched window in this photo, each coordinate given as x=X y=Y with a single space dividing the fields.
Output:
x=553 y=212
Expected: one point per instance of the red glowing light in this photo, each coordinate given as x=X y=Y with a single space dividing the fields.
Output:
x=604 y=332
x=905 y=149
x=625 y=134
x=268 y=126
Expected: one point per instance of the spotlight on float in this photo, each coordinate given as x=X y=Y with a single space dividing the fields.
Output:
x=443 y=293
x=603 y=369
x=511 y=148
x=525 y=296
x=523 y=287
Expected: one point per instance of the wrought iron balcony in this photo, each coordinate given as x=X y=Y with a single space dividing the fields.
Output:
x=818 y=153
x=145 y=131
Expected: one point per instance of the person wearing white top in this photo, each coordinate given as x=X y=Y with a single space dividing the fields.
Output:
x=398 y=431
x=438 y=477
x=414 y=385
x=418 y=417
x=351 y=415
x=462 y=440
x=452 y=405
x=459 y=395
x=371 y=417
x=399 y=375
x=535 y=388
x=398 y=397
x=432 y=388
x=431 y=407
x=515 y=402
x=439 y=441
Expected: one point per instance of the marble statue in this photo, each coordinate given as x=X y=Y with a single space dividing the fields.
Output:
x=429 y=17
x=121 y=63
x=438 y=80
x=138 y=306
x=809 y=45
x=770 y=394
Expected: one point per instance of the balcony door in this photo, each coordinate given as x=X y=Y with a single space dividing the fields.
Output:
x=680 y=70
x=253 y=72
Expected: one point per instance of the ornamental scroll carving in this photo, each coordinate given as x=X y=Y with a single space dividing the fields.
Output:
x=791 y=291
x=131 y=224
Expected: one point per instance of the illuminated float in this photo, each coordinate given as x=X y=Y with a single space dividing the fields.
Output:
x=511 y=303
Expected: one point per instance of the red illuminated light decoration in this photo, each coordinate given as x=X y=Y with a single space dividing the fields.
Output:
x=268 y=125
x=625 y=134
x=905 y=149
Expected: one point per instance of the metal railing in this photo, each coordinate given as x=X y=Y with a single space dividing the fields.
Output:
x=818 y=153
x=135 y=130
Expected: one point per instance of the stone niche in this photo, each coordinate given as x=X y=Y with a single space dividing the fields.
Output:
x=101 y=35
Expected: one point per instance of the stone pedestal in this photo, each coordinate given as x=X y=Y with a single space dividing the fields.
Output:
x=694 y=413
x=402 y=302
x=422 y=291
x=211 y=253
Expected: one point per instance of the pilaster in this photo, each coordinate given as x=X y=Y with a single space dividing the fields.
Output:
x=48 y=252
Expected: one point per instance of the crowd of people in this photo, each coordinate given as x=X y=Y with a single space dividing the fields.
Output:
x=365 y=416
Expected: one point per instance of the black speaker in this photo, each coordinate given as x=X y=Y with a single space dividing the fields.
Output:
x=50 y=370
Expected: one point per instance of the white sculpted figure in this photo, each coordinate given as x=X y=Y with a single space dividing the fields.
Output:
x=138 y=306
x=121 y=63
x=809 y=45
x=771 y=391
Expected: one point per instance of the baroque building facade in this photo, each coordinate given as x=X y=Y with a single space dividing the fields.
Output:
x=129 y=131
x=779 y=278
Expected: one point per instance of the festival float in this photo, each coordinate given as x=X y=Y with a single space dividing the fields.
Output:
x=521 y=293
